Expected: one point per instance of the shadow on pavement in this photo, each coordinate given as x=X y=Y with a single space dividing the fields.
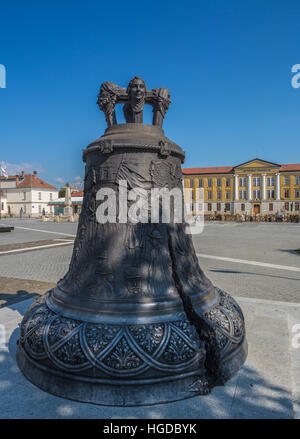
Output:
x=20 y=295
x=252 y=273
x=291 y=251
x=248 y=395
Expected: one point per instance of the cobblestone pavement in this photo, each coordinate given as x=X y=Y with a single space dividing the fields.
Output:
x=271 y=243
x=266 y=242
x=48 y=265
x=28 y=231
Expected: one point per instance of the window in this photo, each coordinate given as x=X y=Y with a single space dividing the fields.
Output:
x=270 y=181
x=193 y=195
x=209 y=182
x=209 y=195
x=228 y=195
x=243 y=181
x=40 y=195
x=243 y=195
x=286 y=181
x=256 y=194
x=227 y=207
x=199 y=194
x=218 y=207
x=219 y=195
x=270 y=207
x=24 y=196
x=297 y=193
x=297 y=180
x=243 y=207
x=200 y=182
x=218 y=182
x=228 y=182
x=209 y=207
x=297 y=205
x=192 y=183
x=270 y=193
x=50 y=196
x=286 y=193
x=256 y=181
x=286 y=206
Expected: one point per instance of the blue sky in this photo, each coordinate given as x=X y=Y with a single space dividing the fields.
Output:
x=227 y=64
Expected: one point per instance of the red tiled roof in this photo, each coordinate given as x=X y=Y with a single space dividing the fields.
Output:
x=229 y=169
x=77 y=194
x=215 y=170
x=290 y=167
x=34 y=182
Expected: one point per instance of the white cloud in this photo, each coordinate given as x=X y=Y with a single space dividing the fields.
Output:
x=78 y=178
x=77 y=182
x=28 y=168
x=59 y=180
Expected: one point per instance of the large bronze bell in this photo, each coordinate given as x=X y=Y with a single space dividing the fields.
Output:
x=134 y=321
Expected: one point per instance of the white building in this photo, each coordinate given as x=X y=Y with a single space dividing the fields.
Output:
x=3 y=201
x=26 y=195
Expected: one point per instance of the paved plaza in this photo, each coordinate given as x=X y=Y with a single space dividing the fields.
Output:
x=248 y=247
x=256 y=263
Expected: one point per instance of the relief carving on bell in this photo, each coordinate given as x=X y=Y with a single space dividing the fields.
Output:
x=135 y=320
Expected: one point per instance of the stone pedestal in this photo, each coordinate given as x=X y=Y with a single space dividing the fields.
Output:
x=68 y=211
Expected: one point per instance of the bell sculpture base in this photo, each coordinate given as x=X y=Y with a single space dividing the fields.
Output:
x=134 y=321
x=65 y=357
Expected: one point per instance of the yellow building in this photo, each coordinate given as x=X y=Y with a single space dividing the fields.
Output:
x=253 y=187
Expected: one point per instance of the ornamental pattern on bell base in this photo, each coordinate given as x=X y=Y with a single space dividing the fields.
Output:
x=117 y=351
